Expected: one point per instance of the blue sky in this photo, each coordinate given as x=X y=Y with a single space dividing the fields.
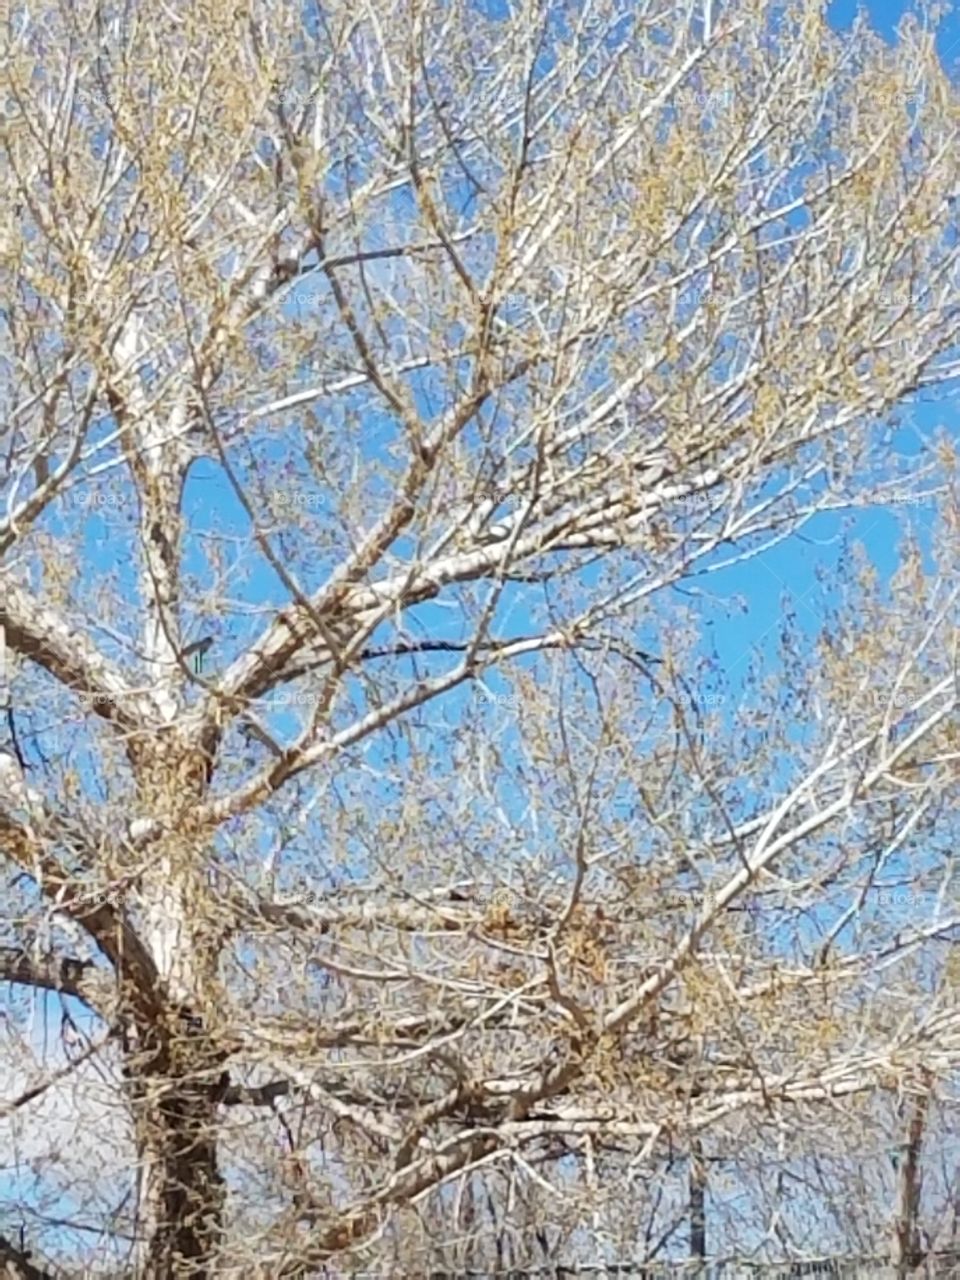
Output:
x=791 y=572
x=884 y=16
x=742 y=607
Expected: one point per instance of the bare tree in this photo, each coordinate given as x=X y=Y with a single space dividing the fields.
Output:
x=390 y=880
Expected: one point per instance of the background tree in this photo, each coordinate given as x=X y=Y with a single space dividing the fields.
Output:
x=419 y=358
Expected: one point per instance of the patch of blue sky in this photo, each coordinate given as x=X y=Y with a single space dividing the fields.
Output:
x=742 y=607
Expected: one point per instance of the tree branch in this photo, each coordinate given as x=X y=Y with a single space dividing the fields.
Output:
x=17 y=1264
x=67 y=974
x=45 y=637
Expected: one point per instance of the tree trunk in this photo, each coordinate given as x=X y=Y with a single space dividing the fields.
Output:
x=698 y=1205
x=181 y=1189
x=174 y=1063
x=909 y=1253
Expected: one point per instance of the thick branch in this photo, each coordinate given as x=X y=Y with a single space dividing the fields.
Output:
x=45 y=637
x=17 y=1265
x=73 y=977
x=110 y=931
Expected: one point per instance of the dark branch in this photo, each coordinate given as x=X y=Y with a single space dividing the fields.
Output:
x=264 y=1095
x=79 y=978
x=405 y=648
x=17 y=1265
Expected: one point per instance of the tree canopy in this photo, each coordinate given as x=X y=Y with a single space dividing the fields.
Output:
x=395 y=877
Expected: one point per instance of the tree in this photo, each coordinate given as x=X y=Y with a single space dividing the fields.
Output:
x=373 y=384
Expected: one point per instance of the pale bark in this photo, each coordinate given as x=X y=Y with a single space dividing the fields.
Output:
x=499 y=334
